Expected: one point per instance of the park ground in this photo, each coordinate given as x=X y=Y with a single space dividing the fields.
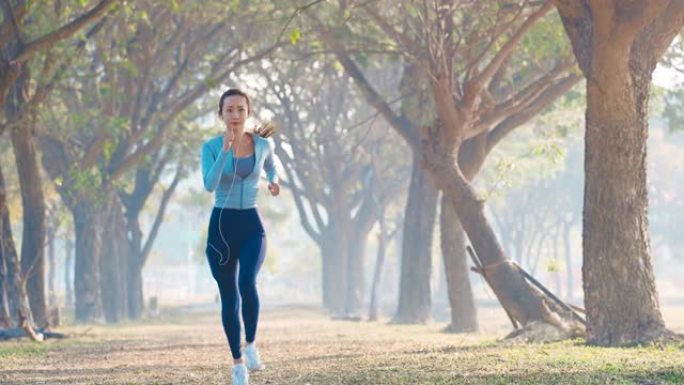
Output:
x=301 y=345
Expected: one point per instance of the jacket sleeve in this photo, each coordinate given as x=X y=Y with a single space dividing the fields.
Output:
x=212 y=166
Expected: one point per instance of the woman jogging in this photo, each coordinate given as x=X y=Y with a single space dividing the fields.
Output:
x=231 y=168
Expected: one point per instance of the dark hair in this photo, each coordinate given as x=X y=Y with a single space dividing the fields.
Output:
x=231 y=92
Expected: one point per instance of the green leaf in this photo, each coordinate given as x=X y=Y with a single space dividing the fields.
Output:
x=295 y=35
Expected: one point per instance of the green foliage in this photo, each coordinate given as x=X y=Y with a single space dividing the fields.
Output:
x=547 y=40
x=295 y=35
x=551 y=150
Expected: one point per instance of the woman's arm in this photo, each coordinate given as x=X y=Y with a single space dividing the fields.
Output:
x=212 y=166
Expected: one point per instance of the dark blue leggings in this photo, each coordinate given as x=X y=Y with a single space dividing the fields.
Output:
x=239 y=240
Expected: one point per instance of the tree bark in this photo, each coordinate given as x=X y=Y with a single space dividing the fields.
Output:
x=5 y=320
x=615 y=237
x=87 y=225
x=32 y=197
x=374 y=303
x=463 y=310
x=136 y=302
x=113 y=265
x=52 y=296
x=617 y=46
x=524 y=303
x=415 y=304
x=15 y=288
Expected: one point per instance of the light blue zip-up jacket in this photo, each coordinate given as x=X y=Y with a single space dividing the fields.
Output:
x=232 y=191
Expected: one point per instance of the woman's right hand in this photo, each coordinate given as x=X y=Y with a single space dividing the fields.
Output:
x=228 y=137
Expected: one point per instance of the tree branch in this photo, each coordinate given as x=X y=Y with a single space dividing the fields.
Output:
x=652 y=43
x=532 y=109
x=64 y=32
x=400 y=124
x=159 y=218
x=518 y=100
x=472 y=88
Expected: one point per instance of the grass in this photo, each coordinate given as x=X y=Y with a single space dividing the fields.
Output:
x=303 y=346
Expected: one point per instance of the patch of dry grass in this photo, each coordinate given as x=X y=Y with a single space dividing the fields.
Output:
x=303 y=346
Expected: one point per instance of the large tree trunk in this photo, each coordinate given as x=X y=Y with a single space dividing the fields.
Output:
x=88 y=228
x=15 y=288
x=619 y=286
x=617 y=46
x=33 y=238
x=415 y=303
x=463 y=310
x=32 y=198
x=113 y=265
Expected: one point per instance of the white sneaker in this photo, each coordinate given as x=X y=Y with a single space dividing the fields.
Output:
x=252 y=358
x=240 y=375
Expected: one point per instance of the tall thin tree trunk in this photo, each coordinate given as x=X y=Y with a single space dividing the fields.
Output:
x=415 y=304
x=68 y=268
x=52 y=297
x=463 y=310
x=374 y=303
x=5 y=320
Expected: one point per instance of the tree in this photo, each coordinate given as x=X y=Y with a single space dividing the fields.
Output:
x=414 y=303
x=328 y=156
x=480 y=92
x=164 y=59
x=14 y=304
x=617 y=46
x=20 y=21
x=18 y=48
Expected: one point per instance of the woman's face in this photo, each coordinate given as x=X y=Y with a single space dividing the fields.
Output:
x=235 y=112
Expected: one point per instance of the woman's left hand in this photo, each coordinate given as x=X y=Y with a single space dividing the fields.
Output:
x=274 y=188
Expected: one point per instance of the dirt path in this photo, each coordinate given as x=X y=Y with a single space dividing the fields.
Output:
x=304 y=347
